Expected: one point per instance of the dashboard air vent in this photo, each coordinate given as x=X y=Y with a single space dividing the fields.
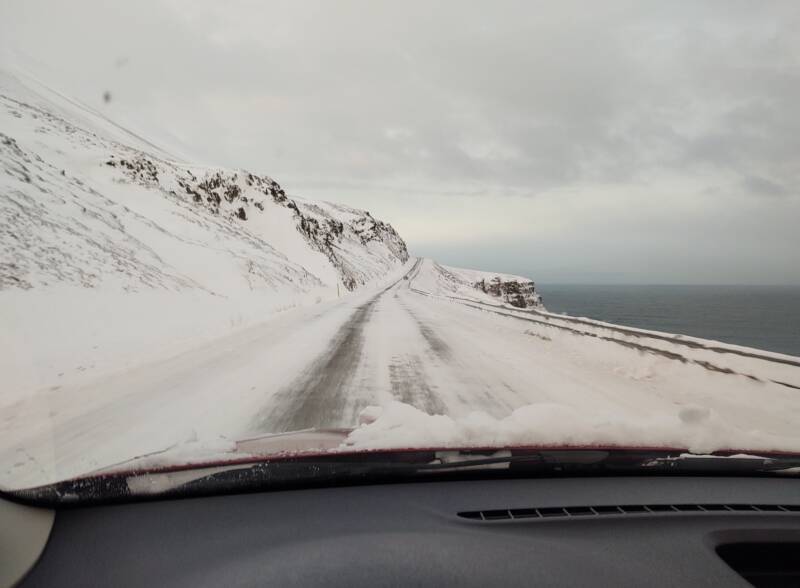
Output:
x=624 y=509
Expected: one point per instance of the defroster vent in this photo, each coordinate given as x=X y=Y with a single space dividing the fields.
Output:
x=624 y=509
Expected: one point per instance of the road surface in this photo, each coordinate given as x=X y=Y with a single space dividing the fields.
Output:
x=392 y=345
x=320 y=366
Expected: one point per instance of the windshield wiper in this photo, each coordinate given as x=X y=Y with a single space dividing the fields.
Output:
x=385 y=466
x=357 y=468
x=688 y=463
x=339 y=469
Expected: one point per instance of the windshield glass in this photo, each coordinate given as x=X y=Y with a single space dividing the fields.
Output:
x=236 y=232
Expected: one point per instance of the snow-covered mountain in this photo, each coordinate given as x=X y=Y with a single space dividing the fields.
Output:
x=104 y=231
x=505 y=289
x=81 y=207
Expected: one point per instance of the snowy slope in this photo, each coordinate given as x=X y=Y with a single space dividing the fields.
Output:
x=114 y=253
x=18 y=82
x=479 y=286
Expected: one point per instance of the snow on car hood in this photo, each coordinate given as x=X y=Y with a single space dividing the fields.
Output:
x=696 y=428
x=399 y=426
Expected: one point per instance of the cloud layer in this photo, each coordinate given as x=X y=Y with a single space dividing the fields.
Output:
x=622 y=141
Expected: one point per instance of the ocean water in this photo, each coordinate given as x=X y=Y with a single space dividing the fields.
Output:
x=765 y=317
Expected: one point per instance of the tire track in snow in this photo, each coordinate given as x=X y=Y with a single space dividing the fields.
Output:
x=324 y=395
x=319 y=398
x=407 y=376
x=409 y=385
x=467 y=385
x=439 y=347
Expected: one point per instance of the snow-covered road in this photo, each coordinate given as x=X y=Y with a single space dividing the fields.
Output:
x=406 y=341
x=398 y=345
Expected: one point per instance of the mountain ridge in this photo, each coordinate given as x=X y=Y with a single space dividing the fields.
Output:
x=113 y=254
x=45 y=176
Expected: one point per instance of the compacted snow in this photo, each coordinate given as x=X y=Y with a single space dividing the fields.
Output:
x=143 y=312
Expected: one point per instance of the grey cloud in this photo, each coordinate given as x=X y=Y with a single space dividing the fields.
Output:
x=456 y=100
x=762 y=186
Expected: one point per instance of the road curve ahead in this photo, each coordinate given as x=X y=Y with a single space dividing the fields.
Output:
x=399 y=345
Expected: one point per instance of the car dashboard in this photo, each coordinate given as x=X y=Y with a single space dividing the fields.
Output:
x=605 y=531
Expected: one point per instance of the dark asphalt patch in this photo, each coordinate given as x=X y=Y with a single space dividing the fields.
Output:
x=409 y=385
x=436 y=343
x=319 y=397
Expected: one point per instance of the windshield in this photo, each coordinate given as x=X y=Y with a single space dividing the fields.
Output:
x=238 y=233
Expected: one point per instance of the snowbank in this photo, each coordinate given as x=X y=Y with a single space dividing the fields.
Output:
x=696 y=428
x=64 y=335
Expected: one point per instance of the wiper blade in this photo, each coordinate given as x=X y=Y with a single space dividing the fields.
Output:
x=356 y=468
x=376 y=467
x=300 y=471
x=687 y=463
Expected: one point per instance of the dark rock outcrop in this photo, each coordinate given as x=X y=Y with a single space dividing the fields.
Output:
x=231 y=194
x=514 y=292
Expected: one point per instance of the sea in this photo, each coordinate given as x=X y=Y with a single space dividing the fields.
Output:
x=764 y=317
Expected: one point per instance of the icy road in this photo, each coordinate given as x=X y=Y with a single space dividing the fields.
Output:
x=420 y=341
x=396 y=345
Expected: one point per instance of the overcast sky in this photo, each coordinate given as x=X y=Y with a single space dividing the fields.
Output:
x=652 y=142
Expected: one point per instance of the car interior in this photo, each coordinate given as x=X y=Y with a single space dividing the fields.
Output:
x=603 y=531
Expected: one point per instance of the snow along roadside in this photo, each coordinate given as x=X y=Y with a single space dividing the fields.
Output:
x=647 y=389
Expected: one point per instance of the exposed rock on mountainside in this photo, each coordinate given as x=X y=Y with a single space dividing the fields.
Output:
x=84 y=202
x=514 y=292
x=238 y=196
x=480 y=286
